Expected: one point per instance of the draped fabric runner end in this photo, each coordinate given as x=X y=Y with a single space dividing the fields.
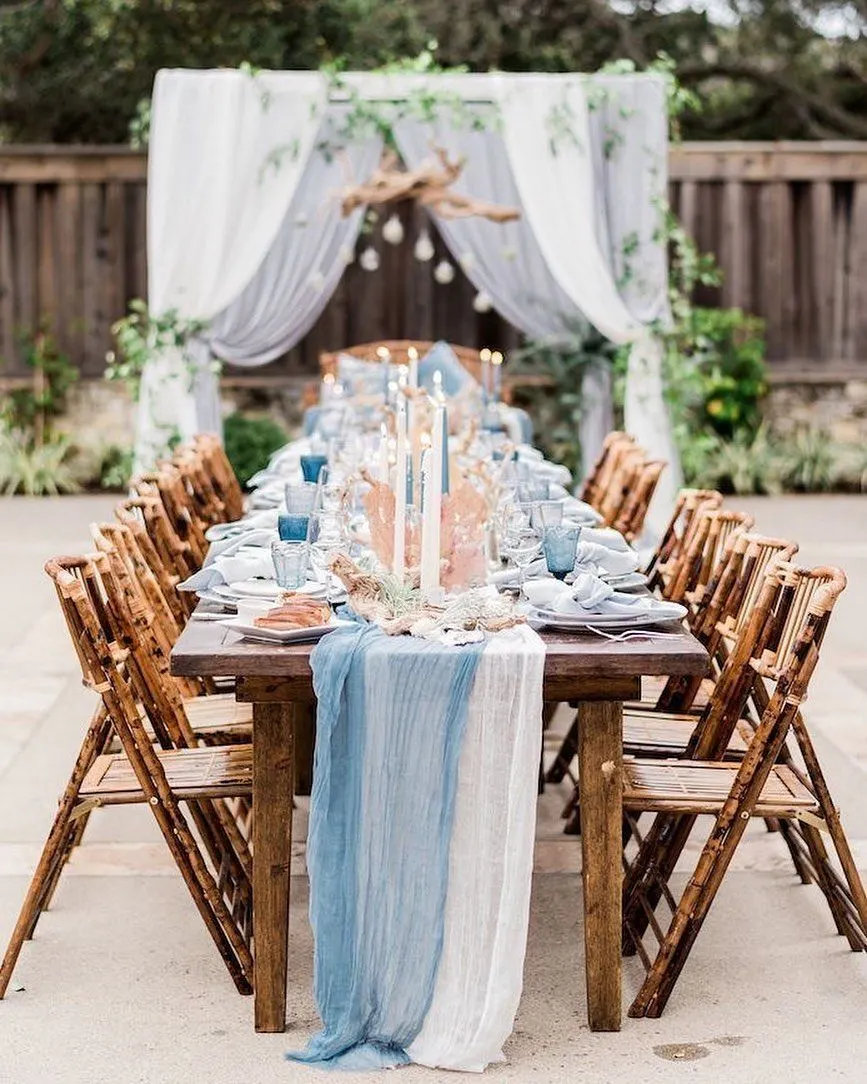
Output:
x=420 y=845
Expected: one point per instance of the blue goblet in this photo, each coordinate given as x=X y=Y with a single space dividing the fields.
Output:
x=560 y=545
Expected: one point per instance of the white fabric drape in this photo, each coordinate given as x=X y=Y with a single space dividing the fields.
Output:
x=506 y=260
x=227 y=152
x=301 y=271
x=480 y=973
x=547 y=135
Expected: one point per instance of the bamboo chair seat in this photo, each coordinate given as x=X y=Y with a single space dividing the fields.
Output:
x=219 y=710
x=212 y=772
x=658 y=735
x=685 y=786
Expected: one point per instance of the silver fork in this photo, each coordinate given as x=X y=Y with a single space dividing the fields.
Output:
x=632 y=634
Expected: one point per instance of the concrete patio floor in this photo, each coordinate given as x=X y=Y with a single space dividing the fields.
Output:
x=122 y=984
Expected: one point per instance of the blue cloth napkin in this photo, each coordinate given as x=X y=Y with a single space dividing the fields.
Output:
x=441 y=357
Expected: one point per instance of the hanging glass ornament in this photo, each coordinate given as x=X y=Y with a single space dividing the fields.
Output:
x=482 y=302
x=424 y=249
x=369 y=259
x=467 y=261
x=347 y=255
x=316 y=281
x=508 y=253
x=392 y=231
x=301 y=219
x=444 y=272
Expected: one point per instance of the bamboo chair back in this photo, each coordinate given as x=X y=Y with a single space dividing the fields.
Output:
x=630 y=519
x=160 y=547
x=686 y=506
x=700 y=558
x=597 y=481
x=222 y=474
x=168 y=484
x=628 y=462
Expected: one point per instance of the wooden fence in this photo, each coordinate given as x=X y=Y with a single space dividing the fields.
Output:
x=787 y=222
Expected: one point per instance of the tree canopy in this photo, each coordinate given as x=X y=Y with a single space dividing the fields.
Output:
x=75 y=70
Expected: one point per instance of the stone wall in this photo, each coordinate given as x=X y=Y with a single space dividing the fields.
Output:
x=101 y=413
x=838 y=409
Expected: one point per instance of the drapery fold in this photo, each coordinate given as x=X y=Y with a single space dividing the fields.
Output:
x=548 y=138
x=228 y=149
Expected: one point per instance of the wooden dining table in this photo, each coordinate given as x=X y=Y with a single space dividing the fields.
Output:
x=595 y=674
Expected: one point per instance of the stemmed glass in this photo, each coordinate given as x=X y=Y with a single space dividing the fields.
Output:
x=325 y=534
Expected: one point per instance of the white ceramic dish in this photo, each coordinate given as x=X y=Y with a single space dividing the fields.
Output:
x=283 y=636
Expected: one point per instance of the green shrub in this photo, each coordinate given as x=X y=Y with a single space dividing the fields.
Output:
x=36 y=470
x=250 y=442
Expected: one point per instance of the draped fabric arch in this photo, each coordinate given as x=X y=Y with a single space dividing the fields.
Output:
x=245 y=232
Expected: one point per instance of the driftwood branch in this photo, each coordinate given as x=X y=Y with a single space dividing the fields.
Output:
x=429 y=184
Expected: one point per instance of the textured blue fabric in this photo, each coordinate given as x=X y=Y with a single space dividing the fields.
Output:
x=442 y=357
x=390 y=720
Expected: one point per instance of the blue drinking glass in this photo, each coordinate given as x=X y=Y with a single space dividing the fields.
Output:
x=311 y=465
x=292 y=526
x=560 y=545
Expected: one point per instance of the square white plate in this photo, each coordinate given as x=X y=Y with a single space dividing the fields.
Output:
x=283 y=636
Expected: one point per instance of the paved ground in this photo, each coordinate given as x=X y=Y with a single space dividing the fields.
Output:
x=122 y=985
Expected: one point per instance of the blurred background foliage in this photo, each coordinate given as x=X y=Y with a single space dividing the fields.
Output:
x=76 y=70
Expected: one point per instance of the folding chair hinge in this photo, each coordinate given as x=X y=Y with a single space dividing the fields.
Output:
x=811 y=819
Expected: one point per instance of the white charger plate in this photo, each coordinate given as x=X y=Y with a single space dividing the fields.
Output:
x=283 y=636
x=617 y=622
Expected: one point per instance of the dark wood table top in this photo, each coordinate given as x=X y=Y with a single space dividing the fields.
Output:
x=575 y=664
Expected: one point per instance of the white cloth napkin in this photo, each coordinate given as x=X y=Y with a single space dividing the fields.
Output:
x=589 y=596
x=264 y=519
x=606 y=536
x=231 y=570
x=260 y=538
x=597 y=559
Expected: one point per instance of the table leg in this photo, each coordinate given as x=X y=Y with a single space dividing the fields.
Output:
x=273 y=769
x=600 y=758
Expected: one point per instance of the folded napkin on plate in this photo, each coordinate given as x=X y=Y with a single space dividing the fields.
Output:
x=230 y=570
x=589 y=596
x=264 y=519
x=606 y=536
x=575 y=509
x=600 y=560
x=259 y=538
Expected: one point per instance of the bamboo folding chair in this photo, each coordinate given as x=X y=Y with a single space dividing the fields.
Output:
x=687 y=504
x=781 y=642
x=221 y=473
x=597 y=482
x=633 y=512
x=161 y=776
x=169 y=485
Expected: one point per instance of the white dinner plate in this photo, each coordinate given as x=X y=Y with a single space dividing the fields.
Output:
x=283 y=636
x=618 y=622
x=626 y=581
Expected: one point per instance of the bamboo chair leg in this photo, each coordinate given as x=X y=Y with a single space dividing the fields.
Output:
x=785 y=830
x=567 y=753
x=819 y=856
x=53 y=856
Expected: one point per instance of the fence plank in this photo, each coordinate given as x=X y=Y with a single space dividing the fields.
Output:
x=822 y=263
x=7 y=285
